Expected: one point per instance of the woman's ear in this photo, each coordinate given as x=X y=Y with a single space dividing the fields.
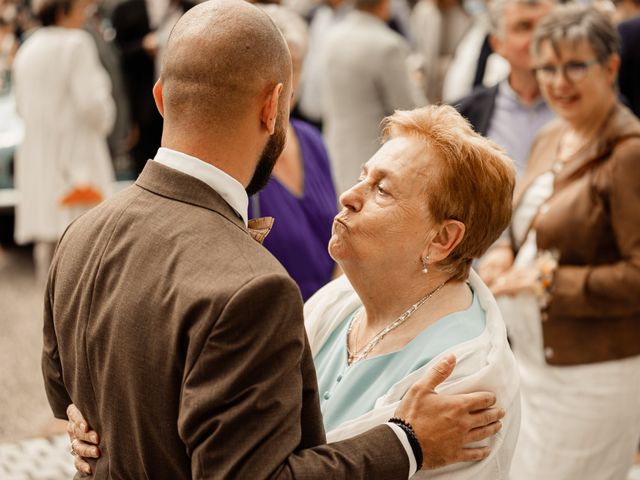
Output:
x=612 y=67
x=447 y=237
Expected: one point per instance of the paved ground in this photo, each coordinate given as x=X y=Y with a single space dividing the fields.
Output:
x=24 y=411
x=27 y=448
x=38 y=458
x=31 y=443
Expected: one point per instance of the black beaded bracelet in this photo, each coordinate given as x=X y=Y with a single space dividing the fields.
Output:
x=413 y=439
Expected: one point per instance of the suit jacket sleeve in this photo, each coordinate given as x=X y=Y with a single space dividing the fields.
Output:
x=247 y=397
x=612 y=289
x=51 y=366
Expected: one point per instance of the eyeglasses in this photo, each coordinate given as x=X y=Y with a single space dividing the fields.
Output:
x=573 y=71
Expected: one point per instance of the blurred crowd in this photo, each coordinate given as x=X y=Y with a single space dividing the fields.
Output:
x=561 y=98
x=355 y=63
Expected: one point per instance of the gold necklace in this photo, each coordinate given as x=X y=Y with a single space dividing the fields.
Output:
x=358 y=355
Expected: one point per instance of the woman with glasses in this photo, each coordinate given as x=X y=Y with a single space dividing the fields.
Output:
x=569 y=281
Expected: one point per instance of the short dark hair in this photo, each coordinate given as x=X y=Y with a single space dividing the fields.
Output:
x=47 y=11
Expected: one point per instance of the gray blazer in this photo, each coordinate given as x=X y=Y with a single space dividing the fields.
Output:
x=182 y=340
x=365 y=79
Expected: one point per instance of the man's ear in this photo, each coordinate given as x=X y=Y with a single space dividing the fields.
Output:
x=446 y=239
x=157 y=96
x=269 y=112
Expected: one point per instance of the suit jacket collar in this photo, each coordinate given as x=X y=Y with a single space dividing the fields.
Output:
x=170 y=183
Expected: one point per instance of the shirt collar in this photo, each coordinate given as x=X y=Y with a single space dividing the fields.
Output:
x=224 y=184
x=506 y=91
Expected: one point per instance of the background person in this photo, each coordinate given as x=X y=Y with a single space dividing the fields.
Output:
x=365 y=78
x=66 y=118
x=570 y=297
x=512 y=112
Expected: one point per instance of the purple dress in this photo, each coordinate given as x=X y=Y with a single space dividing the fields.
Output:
x=302 y=226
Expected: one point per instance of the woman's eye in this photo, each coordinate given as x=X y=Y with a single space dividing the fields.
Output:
x=381 y=190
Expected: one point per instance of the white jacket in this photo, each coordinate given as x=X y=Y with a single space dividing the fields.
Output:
x=63 y=95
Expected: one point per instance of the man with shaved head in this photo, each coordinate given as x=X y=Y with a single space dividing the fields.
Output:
x=178 y=335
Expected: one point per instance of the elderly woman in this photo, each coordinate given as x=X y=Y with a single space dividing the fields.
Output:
x=576 y=242
x=300 y=195
x=433 y=198
x=63 y=94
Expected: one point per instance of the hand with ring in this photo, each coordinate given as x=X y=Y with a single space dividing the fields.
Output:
x=84 y=441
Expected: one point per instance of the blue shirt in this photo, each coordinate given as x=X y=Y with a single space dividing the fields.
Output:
x=348 y=391
x=515 y=125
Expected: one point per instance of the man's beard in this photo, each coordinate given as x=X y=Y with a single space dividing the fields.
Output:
x=268 y=158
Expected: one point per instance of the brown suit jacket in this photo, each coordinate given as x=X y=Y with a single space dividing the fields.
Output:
x=182 y=340
x=593 y=220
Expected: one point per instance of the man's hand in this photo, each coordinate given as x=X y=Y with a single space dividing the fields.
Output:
x=444 y=424
x=83 y=440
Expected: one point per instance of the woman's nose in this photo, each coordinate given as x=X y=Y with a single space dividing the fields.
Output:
x=560 y=78
x=352 y=198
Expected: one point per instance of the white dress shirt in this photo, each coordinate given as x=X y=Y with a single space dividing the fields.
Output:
x=224 y=184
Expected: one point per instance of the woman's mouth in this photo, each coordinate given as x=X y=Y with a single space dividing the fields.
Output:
x=338 y=221
x=565 y=100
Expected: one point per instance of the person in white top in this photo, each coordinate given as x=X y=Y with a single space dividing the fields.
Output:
x=63 y=95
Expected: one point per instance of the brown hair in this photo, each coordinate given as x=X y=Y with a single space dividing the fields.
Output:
x=472 y=183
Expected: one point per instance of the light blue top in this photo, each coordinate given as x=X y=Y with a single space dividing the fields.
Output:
x=515 y=125
x=346 y=392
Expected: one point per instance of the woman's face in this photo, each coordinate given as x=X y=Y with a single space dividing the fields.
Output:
x=576 y=86
x=384 y=219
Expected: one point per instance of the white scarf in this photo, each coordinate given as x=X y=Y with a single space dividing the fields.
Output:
x=484 y=363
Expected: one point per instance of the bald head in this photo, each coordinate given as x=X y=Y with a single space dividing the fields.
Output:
x=222 y=57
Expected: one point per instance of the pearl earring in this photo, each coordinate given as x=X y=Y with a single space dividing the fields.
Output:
x=425 y=264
